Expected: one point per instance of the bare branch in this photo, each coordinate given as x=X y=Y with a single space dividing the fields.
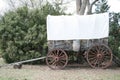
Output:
x=12 y=4
x=24 y=2
x=40 y=3
x=32 y=3
x=90 y=8
x=64 y=3
x=94 y=2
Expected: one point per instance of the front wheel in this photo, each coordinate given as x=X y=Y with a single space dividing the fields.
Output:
x=57 y=59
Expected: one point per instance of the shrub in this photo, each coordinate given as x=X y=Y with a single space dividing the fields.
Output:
x=114 y=39
x=23 y=32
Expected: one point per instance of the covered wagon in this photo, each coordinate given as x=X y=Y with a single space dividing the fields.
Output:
x=65 y=32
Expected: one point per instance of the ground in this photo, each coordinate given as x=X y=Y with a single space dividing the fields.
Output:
x=42 y=72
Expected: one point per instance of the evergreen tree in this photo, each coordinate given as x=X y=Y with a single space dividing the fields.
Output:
x=114 y=38
x=23 y=32
x=102 y=6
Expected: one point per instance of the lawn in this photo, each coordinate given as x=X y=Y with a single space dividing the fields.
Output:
x=42 y=72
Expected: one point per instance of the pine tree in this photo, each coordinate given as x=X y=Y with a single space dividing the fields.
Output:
x=102 y=6
x=23 y=32
x=114 y=38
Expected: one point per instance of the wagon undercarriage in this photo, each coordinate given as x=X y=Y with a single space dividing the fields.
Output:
x=97 y=56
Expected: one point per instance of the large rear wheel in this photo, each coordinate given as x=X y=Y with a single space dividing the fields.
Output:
x=99 y=56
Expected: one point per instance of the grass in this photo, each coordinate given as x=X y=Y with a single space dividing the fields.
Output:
x=42 y=72
x=5 y=78
x=2 y=61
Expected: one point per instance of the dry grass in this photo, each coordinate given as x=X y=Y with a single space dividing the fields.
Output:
x=42 y=72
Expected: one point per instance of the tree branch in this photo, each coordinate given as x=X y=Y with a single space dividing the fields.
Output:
x=12 y=3
x=94 y=2
x=90 y=8
x=32 y=3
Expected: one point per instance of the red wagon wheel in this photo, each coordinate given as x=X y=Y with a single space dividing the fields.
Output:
x=57 y=59
x=99 y=56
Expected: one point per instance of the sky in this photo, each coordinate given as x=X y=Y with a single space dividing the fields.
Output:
x=115 y=6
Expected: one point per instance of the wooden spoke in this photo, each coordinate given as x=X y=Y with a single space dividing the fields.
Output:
x=52 y=61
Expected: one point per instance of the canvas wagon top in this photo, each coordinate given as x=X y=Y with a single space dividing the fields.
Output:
x=78 y=27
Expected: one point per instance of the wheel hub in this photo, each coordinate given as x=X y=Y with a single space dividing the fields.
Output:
x=99 y=56
x=57 y=59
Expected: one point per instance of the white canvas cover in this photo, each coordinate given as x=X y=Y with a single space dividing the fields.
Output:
x=77 y=27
